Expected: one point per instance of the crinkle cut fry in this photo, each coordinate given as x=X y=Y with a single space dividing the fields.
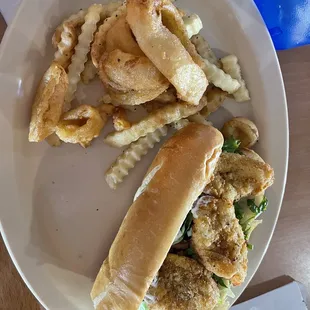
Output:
x=157 y=119
x=68 y=38
x=214 y=74
x=232 y=67
x=108 y=10
x=81 y=50
x=89 y=72
x=133 y=154
x=219 y=78
x=204 y=50
x=74 y=18
x=193 y=24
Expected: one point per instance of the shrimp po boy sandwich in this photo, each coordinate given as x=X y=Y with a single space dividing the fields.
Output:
x=177 y=246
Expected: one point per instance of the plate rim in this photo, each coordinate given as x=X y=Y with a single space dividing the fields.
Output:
x=3 y=48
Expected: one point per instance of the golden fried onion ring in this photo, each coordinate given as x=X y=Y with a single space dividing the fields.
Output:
x=174 y=22
x=80 y=125
x=125 y=72
x=242 y=129
x=165 y=49
x=133 y=97
x=48 y=103
x=99 y=43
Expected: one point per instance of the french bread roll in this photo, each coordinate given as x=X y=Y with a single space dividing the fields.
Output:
x=177 y=176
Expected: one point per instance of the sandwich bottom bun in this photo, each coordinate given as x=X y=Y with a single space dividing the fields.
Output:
x=177 y=176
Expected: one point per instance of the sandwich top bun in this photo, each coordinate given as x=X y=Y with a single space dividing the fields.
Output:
x=177 y=176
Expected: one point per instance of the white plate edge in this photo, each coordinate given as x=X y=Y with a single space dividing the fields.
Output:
x=279 y=73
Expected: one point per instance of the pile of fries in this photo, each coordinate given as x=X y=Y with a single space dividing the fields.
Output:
x=148 y=54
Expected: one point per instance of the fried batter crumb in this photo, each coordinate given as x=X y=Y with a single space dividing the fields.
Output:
x=218 y=239
x=238 y=176
x=183 y=284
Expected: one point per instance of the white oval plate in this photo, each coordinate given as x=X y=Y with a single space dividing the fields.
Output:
x=58 y=216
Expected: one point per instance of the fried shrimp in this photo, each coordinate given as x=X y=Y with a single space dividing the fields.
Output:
x=183 y=284
x=238 y=176
x=217 y=237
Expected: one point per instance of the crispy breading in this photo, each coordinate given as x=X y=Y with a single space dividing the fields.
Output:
x=125 y=72
x=153 y=105
x=79 y=58
x=204 y=49
x=120 y=37
x=239 y=277
x=252 y=154
x=80 y=125
x=132 y=97
x=238 y=176
x=120 y=119
x=241 y=129
x=164 y=48
x=217 y=236
x=106 y=110
x=216 y=98
x=168 y=96
x=183 y=284
x=98 y=46
x=48 y=103
x=66 y=38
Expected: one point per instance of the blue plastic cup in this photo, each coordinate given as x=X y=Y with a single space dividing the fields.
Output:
x=288 y=21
